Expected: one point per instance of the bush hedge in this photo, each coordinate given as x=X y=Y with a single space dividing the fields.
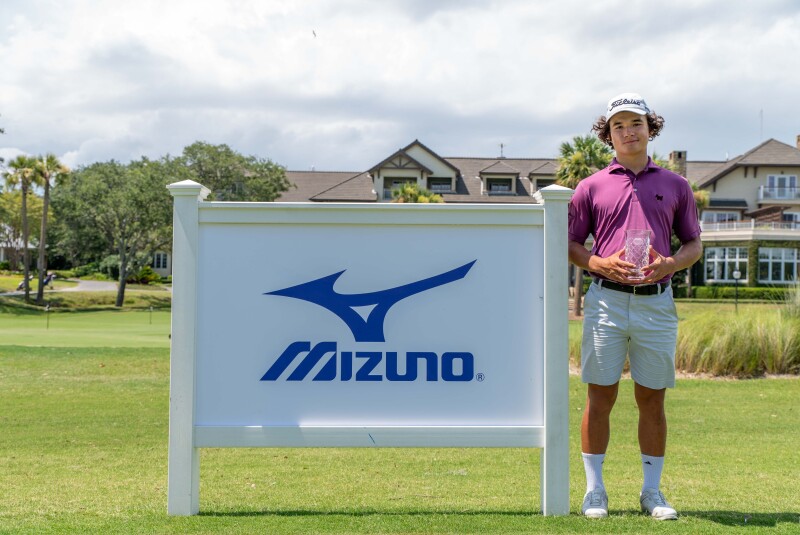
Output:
x=768 y=293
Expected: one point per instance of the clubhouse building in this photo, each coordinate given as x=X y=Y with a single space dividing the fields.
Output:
x=751 y=226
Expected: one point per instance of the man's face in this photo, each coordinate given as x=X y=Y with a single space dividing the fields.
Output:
x=629 y=133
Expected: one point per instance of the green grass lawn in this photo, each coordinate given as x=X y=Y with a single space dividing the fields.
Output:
x=83 y=449
x=102 y=328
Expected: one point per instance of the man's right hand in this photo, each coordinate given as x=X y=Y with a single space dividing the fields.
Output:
x=612 y=267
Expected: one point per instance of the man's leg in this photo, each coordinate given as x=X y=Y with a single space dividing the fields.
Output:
x=595 y=433
x=653 y=443
x=652 y=420
x=595 y=428
x=603 y=351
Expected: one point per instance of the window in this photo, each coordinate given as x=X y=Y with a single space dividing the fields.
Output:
x=440 y=185
x=396 y=183
x=543 y=183
x=777 y=265
x=721 y=262
x=498 y=185
x=719 y=217
x=792 y=217
x=160 y=261
x=781 y=187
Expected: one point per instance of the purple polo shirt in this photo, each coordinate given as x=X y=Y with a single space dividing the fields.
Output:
x=615 y=199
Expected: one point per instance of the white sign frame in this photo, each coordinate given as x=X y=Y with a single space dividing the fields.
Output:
x=186 y=437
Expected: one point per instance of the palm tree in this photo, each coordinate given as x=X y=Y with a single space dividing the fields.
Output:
x=47 y=168
x=576 y=161
x=22 y=173
x=411 y=192
x=581 y=158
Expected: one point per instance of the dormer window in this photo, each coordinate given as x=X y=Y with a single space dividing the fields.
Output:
x=440 y=185
x=499 y=179
x=499 y=186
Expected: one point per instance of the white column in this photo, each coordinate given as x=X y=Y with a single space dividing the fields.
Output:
x=184 y=459
x=555 y=454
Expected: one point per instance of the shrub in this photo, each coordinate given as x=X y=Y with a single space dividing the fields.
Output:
x=110 y=266
x=88 y=269
x=769 y=293
x=146 y=275
x=5 y=265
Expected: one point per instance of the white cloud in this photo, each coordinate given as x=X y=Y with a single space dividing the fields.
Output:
x=95 y=80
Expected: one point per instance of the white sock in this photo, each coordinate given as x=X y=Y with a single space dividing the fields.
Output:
x=652 y=467
x=593 y=464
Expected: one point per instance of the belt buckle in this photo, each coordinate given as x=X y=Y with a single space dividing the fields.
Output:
x=658 y=291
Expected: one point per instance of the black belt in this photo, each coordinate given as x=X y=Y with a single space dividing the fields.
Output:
x=647 y=289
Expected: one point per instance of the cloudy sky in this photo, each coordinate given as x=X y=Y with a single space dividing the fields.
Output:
x=340 y=84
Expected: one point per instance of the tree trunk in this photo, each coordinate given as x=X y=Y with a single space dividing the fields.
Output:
x=26 y=255
x=578 y=309
x=123 y=275
x=689 y=282
x=42 y=263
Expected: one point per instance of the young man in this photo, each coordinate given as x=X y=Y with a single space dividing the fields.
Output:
x=626 y=316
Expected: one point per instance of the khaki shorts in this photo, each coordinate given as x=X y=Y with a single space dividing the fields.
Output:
x=617 y=325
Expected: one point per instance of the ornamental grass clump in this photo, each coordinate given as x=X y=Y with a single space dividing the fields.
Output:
x=791 y=306
x=740 y=345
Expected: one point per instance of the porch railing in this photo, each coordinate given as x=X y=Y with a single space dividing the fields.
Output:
x=750 y=225
x=766 y=193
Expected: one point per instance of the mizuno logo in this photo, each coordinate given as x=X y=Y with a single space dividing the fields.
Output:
x=363 y=366
x=321 y=292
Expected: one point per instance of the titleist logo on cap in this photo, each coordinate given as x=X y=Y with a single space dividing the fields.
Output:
x=637 y=102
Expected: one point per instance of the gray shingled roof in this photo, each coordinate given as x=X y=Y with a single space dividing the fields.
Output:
x=358 y=188
x=696 y=172
x=404 y=154
x=353 y=186
x=469 y=185
x=500 y=168
x=322 y=185
x=771 y=153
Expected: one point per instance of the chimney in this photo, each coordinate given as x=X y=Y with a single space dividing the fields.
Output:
x=677 y=159
x=798 y=142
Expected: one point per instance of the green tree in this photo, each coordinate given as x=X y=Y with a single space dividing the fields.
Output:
x=576 y=161
x=11 y=222
x=47 y=169
x=232 y=176
x=410 y=192
x=581 y=158
x=128 y=204
x=22 y=173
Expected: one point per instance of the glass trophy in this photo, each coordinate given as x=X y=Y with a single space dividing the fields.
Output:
x=637 y=251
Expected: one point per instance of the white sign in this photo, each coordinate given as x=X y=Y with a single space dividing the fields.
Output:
x=367 y=325
x=473 y=345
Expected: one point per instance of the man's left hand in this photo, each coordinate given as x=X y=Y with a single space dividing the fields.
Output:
x=659 y=268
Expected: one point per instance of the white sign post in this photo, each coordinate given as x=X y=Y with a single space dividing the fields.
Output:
x=368 y=325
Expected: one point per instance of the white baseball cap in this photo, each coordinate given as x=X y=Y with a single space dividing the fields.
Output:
x=627 y=102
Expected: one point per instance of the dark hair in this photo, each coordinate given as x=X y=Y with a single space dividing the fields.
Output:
x=603 y=130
